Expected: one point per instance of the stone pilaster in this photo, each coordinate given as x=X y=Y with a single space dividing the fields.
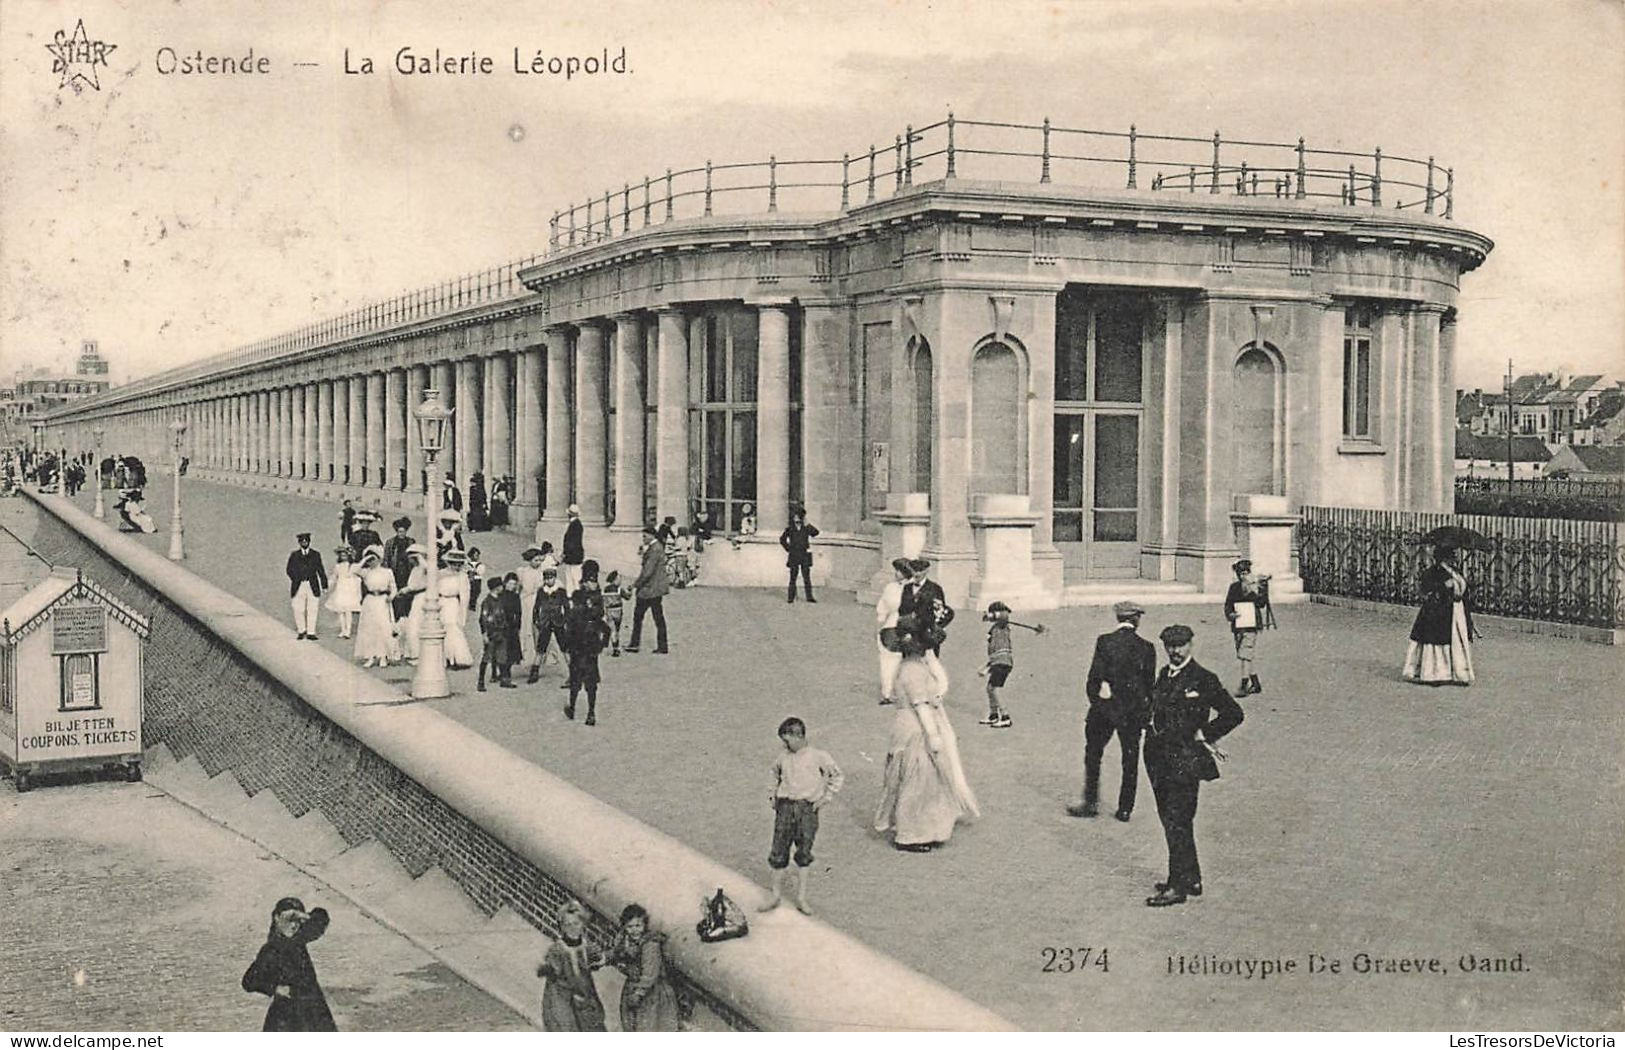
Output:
x=629 y=420
x=559 y=438
x=592 y=434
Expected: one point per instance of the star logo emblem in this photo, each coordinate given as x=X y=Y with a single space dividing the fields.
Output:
x=76 y=58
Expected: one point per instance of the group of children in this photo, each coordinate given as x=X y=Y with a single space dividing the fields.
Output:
x=582 y=622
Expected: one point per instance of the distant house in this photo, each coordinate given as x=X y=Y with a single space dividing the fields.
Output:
x=1589 y=461
x=1606 y=423
x=1485 y=456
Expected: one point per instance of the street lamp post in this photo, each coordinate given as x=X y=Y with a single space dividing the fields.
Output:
x=430 y=681
x=177 y=542
x=62 y=464
x=96 y=471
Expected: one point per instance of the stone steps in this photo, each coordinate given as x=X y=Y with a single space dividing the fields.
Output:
x=498 y=953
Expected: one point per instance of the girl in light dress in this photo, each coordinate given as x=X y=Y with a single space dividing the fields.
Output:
x=417 y=584
x=452 y=586
x=924 y=793
x=344 y=599
x=375 y=629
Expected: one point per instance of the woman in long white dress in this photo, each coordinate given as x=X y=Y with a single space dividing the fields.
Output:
x=375 y=628
x=452 y=586
x=886 y=610
x=924 y=793
x=417 y=585
x=344 y=598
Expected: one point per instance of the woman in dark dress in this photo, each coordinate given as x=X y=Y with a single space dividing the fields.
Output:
x=479 y=515
x=1441 y=649
x=283 y=971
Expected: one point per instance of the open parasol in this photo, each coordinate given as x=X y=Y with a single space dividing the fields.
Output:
x=1458 y=536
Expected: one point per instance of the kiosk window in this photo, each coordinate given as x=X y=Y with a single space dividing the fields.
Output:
x=81 y=682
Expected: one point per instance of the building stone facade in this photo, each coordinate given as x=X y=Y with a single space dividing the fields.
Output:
x=1036 y=385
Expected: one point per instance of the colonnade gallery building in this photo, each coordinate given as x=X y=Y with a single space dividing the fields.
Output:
x=1056 y=362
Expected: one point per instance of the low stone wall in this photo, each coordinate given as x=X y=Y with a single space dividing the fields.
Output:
x=228 y=687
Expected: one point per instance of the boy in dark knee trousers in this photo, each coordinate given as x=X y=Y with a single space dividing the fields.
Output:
x=804 y=778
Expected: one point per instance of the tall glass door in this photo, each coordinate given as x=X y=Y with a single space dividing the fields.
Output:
x=1099 y=368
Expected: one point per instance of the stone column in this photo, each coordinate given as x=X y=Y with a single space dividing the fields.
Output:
x=273 y=433
x=592 y=435
x=394 y=430
x=375 y=470
x=313 y=466
x=497 y=425
x=442 y=374
x=467 y=421
x=671 y=418
x=355 y=430
x=485 y=420
x=1434 y=444
x=1446 y=393
x=629 y=345
x=559 y=442
x=256 y=433
x=335 y=428
x=772 y=420
x=417 y=377
x=532 y=416
x=290 y=454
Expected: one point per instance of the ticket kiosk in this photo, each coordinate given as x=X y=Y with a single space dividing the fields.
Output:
x=71 y=694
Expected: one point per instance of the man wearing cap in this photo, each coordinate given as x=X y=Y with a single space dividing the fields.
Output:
x=1190 y=712
x=1119 y=692
x=306 y=582
x=650 y=588
x=574 y=551
x=547 y=616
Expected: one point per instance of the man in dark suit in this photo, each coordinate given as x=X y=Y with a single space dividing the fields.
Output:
x=574 y=550
x=796 y=539
x=1180 y=754
x=651 y=588
x=307 y=580
x=1119 y=691
x=924 y=599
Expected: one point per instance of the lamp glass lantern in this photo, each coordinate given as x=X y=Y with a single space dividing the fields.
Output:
x=433 y=418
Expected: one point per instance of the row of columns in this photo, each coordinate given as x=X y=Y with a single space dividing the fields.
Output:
x=537 y=414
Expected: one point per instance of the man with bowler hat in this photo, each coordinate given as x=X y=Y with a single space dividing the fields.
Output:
x=307 y=580
x=923 y=597
x=796 y=539
x=1119 y=692
x=1190 y=712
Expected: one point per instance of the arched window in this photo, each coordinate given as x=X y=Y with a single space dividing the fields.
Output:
x=998 y=421
x=924 y=415
x=1255 y=421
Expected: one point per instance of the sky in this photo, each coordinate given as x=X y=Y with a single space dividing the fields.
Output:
x=172 y=217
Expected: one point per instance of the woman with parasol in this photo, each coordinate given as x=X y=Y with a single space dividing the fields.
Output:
x=1441 y=650
x=925 y=793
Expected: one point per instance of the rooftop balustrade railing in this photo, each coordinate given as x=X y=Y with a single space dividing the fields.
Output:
x=947 y=149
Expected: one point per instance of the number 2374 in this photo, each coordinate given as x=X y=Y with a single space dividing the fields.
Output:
x=1075 y=960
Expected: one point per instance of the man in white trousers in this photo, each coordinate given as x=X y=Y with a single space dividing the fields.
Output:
x=307 y=581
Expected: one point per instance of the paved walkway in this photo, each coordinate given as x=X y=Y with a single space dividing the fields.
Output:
x=123 y=910
x=1357 y=815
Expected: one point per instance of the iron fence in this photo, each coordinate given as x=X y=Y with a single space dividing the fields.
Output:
x=1591 y=488
x=1532 y=568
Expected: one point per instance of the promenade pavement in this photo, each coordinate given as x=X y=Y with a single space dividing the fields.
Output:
x=123 y=910
x=1359 y=817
